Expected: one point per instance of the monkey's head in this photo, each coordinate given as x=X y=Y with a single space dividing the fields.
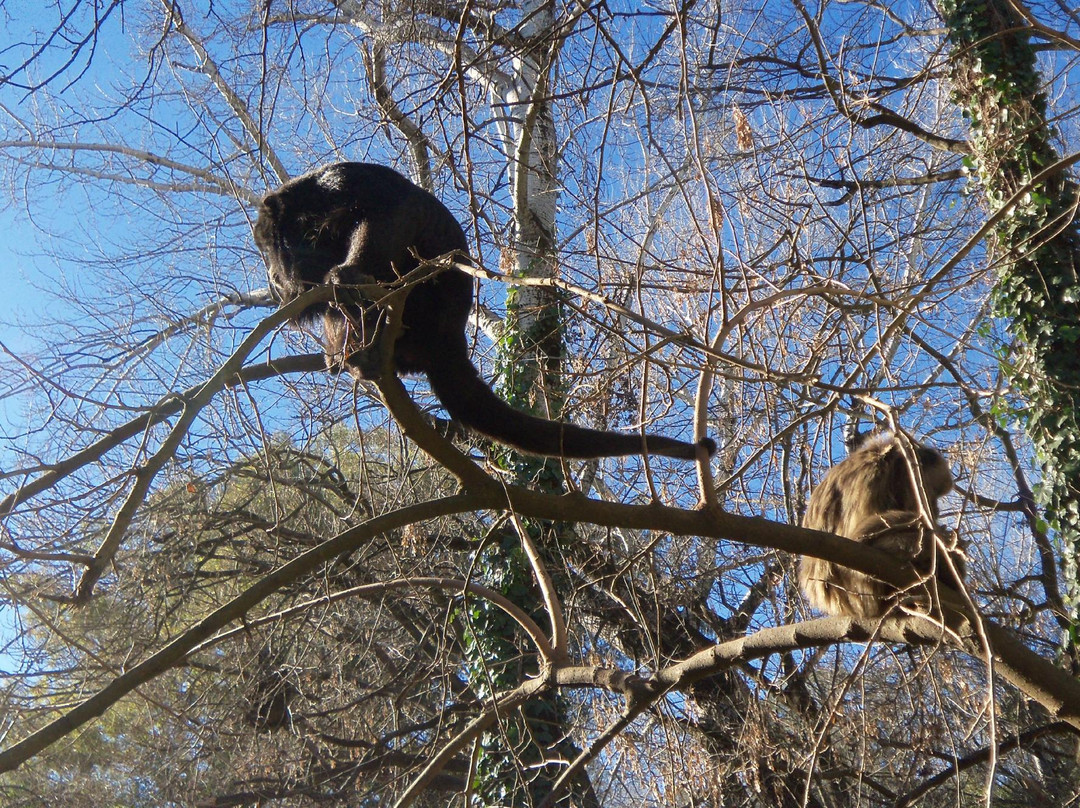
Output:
x=936 y=477
x=303 y=231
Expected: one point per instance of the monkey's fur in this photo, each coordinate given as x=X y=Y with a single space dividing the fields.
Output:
x=870 y=497
x=354 y=223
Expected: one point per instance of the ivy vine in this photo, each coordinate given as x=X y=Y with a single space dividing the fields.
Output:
x=997 y=84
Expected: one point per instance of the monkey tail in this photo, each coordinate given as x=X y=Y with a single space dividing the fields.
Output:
x=469 y=400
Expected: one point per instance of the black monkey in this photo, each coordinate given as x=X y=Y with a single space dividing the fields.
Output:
x=352 y=223
x=271 y=701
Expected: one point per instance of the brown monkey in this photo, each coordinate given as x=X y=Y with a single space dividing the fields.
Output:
x=871 y=497
x=353 y=223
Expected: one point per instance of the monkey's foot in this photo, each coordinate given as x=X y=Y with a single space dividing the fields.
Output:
x=347 y=276
x=365 y=363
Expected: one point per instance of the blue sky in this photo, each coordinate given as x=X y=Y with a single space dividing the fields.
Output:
x=24 y=245
x=23 y=265
x=21 y=259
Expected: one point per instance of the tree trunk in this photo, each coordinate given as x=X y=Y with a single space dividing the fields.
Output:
x=511 y=769
x=1035 y=246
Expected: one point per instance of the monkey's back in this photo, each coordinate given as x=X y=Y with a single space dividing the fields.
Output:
x=871 y=497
